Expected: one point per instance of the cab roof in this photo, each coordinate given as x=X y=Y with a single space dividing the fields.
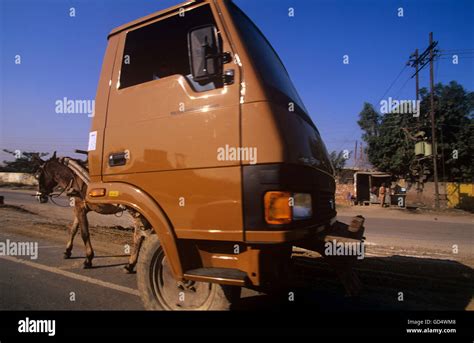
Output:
x=153 y=16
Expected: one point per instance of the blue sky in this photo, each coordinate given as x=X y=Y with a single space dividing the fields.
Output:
x=61 y=57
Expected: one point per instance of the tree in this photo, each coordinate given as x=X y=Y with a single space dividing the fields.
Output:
x=23 y=162
x=455 y=131
x=369 y=122
x=390 y=148
x=338 y=160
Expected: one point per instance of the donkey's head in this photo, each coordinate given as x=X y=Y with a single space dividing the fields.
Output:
x=50 y=174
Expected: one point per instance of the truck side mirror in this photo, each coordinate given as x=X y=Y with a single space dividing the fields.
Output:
x=205 y=57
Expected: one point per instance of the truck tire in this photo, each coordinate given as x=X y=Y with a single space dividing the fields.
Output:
x=160 y=291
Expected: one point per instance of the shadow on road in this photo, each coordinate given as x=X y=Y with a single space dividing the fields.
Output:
x=108 y=265
x=390 y=283
x=97 y=256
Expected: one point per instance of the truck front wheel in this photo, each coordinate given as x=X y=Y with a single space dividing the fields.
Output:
x=160 y=291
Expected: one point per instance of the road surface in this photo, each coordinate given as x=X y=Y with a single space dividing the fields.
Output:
x=408 y=253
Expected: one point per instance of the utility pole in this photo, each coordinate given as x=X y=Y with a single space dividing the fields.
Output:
x=415 y=61
x=433 y=124
x=419 y=62
x=355 y=154
x=417 y=78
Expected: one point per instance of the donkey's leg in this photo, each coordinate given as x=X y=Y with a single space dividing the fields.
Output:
x=72 y=231
x=138 y=237
x=84 y=223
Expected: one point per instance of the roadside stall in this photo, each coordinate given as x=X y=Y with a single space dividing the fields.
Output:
x=367 y=184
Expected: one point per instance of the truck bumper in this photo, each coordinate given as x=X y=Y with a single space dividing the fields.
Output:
x=266 y=263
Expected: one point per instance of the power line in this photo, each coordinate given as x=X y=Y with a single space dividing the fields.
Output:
x=456 y=49
x=461 y=58
x=403 y=86
x=393 y=82
x=457 y=54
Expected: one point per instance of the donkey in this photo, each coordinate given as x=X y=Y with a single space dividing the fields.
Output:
x=53 y=173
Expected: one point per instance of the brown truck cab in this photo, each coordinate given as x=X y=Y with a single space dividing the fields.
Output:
x=199 y=128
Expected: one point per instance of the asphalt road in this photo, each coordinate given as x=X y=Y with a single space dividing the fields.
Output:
x=51 y=283
x=406 y=252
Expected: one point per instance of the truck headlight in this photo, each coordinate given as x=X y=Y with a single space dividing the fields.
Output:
x=283 y=207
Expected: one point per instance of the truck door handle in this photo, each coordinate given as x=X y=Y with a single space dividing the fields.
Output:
x=118 y=159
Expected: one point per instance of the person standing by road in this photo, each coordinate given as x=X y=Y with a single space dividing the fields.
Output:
x=382 y=191
x=349 y=198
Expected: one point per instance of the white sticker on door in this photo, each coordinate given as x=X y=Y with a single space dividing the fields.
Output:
x=92 y=140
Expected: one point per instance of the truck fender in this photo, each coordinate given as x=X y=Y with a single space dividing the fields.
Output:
x=131 y=196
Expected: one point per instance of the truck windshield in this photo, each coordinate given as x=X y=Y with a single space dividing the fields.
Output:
x=276 y=78
x=266 y=60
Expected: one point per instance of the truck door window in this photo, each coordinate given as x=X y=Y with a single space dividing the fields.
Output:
x=160 y=50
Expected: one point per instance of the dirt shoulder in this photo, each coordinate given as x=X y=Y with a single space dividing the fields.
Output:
x=375 y=211
x=19 y=220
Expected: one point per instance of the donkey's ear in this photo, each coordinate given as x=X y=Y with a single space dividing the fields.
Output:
x=54 y=156
x=36 y=159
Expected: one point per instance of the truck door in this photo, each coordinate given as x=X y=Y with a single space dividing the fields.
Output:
x=164 y=129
